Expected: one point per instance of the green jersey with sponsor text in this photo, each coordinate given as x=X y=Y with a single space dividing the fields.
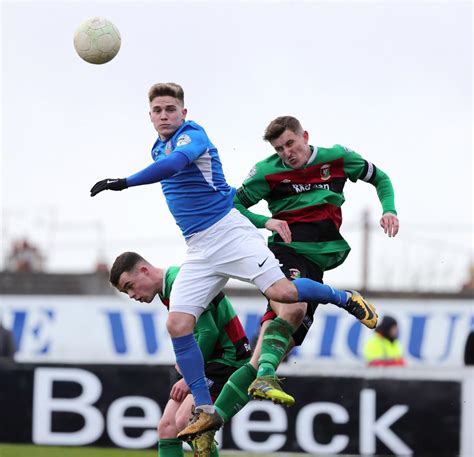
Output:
x=218 y=331
x=310 y=199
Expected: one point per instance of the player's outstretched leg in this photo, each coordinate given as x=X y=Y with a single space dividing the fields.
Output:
x=359 y=307
x=234 y=395
x=351 y=301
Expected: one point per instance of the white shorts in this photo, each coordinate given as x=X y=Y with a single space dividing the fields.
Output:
x=231 y=248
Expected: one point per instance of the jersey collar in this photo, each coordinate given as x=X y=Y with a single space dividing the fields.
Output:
x=314 y=153
x=163 y=286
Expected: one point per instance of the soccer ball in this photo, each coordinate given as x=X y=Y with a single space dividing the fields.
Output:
x=97 y=40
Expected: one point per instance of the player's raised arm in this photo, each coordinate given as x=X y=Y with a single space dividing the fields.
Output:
x=389 y=220
x=359 y=168
x=155 y=172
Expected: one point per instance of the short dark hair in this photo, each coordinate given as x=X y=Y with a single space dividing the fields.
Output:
x=126 y=261
x=279 y=125
x=164 y=89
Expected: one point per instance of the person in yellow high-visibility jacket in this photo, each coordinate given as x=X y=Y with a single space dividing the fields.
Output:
x=383 y=348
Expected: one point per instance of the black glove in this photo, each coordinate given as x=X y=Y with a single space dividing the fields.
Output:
x=110 y=184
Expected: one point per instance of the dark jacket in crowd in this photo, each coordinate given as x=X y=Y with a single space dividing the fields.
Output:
x=7 y=343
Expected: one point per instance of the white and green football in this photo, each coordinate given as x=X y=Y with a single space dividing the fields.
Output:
x=97 y=40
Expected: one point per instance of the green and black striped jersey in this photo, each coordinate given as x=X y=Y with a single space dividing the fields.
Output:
x=218 y=331
x=310 y=199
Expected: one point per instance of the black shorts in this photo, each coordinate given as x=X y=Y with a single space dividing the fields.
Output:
x=294 y=266
x=217 y=375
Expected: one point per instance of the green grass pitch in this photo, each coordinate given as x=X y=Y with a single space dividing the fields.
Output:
x=17 y=450
x=23 y=450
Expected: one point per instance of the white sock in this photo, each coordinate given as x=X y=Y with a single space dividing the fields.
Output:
x=209 y=409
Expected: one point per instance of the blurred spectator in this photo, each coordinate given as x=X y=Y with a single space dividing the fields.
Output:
x=383 y=348
x=469 y=349
x=24 y=257
x=7 y=343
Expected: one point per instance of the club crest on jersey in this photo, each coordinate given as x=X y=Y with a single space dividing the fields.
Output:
x=183 y=139
x=168 y=148
x=294 y=273
x=325 y=172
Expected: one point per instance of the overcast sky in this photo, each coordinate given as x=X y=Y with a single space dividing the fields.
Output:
x=391 y=80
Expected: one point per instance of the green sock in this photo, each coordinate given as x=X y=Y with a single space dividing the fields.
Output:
x=214 y=451
x=170 y=447
x=274 y=345
x=234 y=396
